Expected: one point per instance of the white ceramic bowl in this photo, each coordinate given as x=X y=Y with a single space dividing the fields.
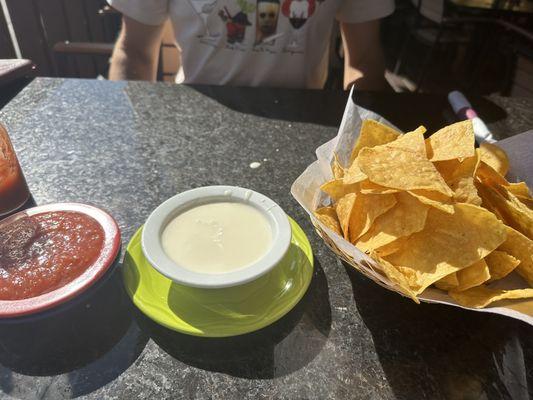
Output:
x=167 y=211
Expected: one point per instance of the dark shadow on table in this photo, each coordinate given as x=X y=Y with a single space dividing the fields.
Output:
x=409 y=110
x=81 y=339
x=277 y=350
x=322 y=107
x=435 y=351
x=326 y=107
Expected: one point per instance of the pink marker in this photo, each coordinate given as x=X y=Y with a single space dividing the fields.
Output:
x=463 y=109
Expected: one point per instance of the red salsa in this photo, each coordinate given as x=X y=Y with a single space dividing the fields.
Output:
x=43 y=252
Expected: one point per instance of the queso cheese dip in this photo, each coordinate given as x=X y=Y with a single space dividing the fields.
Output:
x=217 y=237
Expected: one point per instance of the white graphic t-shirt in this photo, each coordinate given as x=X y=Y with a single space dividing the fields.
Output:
x=277 y=43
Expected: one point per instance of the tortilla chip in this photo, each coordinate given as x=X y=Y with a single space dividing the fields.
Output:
x=398 y=279
x=482 y=296
x=368 y=187
x=353 y=174
x=527 y=201
x=413 y=141
x=336 y=167
x=515 y=213
x=472 y=276
x=433 y=199
x=328 y=216
x=392 y=247
x=521 y=248
x=465 y=191
x=405 y=218
x=344 y=208
x=401 y=169
x=448 y=282
x=469 y=277
x=459 y=175
x=454 y=141
x=484 y=192
x=372 y=134
x=447 y=244
x=500 y=264
x=366 y=209
x=337 y=189
x=489 y=176
x=495 y=157
x=519 y=189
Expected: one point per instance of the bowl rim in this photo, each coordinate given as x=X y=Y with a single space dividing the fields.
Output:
x=107 y=257
x=166 y=211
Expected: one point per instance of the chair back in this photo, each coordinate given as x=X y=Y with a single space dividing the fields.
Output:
x=430 y=9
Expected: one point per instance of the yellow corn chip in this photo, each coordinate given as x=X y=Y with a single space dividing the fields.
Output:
x=353 y=174
x=500 y=264
x=472 y=276
x=328 y=216
x=519 y=189
x=482 y=296
x=398 y=279
x=413 y=141
x=373 y=134
x=459 y=175
x=447 y=244
x=366 y=209
x=391 y=248
x=489 y=176
x=337 y=189
x=495 y=157
x=465 y=191
x=447 y=168
x=336 y=167
x=483 y=191
x=448 y=282
x=433 y=199
x=469 y=277
x=401 y=169
x=515 y=213
x=405 y=218
x=344 y=208
x=454 y=141
x=521 y=248
x=527 y=201
x=367 y=187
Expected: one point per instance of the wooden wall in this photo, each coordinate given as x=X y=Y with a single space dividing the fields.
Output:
x=39 y=24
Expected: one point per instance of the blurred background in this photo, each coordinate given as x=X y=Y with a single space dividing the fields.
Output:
x=479 y=46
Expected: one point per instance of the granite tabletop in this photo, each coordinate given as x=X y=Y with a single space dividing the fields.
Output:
x=128 y=146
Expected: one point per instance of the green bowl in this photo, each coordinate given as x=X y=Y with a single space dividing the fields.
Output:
x=219 y=312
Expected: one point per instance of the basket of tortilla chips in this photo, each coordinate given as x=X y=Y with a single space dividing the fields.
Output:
x=427 y=215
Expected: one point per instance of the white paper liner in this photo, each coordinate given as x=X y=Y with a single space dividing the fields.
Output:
x=306 y=190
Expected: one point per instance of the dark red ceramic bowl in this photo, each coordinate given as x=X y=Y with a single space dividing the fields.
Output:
x=54 y=298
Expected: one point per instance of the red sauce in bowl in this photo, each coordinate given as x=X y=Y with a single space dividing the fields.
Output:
x=48 y=238
x=43 y=252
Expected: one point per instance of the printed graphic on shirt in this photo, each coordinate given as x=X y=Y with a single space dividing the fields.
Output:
x=298 y=11
x=204 y=8
x=236 y=24
x=266 y=21
x=280 y=26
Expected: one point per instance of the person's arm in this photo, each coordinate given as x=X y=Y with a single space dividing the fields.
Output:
x=364 y=64
x=136 y=51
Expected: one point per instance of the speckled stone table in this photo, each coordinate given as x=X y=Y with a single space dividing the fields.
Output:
x=128 y=146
